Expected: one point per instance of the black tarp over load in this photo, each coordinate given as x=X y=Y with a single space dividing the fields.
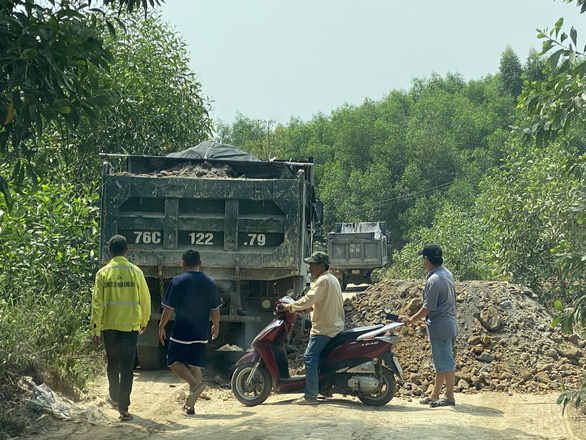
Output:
x=208 y=150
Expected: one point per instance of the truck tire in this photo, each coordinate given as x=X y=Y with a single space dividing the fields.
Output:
x=151 y=358
x=344 y=282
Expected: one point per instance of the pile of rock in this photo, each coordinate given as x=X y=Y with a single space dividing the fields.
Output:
x=506 y=341
x=203 y=170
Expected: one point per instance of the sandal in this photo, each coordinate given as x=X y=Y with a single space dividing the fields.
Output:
x=195 y=393
x=189 y=411
x=425 y=400
x=125 y=417
x=305 y=401
x=110 y=402
x=442 y=402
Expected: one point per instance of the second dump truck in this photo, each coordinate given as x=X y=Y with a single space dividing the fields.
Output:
x=356 y=249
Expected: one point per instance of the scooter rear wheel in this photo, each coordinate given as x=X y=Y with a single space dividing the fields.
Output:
x=386 y=392
x=259 y=386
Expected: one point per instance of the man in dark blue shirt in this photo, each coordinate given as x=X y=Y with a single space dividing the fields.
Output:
x=194 y=298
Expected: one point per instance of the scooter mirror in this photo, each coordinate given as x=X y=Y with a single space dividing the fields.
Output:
x=304 y=291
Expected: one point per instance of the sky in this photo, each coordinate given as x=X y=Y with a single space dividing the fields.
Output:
x=278 y=59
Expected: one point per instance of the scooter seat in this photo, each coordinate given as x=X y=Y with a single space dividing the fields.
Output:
x=347 y=335
x=352 y=334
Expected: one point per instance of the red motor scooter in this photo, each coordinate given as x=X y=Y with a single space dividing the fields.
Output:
x=357 y=362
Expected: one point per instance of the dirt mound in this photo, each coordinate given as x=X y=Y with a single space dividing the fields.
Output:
x=506 y=341
x=196 y=171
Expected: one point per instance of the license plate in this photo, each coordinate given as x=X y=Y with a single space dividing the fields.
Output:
x=355 y=271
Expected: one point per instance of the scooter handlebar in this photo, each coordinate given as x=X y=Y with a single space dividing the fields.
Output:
x=392 y=317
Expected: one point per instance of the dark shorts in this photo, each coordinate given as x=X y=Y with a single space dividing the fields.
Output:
x=193 y=355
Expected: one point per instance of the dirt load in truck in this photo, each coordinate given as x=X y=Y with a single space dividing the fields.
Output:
x=251 y=220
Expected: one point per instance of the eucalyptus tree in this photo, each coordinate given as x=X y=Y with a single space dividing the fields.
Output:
x=510 y=73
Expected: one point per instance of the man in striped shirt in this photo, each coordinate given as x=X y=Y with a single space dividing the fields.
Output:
x=121 y=308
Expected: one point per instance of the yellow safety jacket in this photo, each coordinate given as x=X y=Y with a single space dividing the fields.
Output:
x=121 y=299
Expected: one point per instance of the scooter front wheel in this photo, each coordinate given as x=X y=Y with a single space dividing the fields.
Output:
x=386 y=391
x=251 y=390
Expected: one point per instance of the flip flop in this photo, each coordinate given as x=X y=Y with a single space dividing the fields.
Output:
x=110 y=402
x=305 y=401
x=425 y=400
x=125 y=417
x=195 y=393
x=442 y=402
x=189 y=411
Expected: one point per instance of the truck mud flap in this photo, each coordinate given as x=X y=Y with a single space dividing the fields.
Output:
x=150 y=353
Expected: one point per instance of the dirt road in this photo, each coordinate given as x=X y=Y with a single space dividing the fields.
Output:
x=157 y=399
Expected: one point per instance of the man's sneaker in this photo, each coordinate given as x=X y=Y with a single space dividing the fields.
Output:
x=194 y=395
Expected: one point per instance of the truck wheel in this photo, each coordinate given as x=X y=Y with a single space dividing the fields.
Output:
x=257 y=390
x=150 y=358
x=386 y=391
x=344 y=283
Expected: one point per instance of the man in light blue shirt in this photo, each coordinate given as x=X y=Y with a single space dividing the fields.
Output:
x=439 y=311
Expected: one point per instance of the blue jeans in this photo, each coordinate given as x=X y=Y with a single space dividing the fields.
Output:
x=121 y=352
x=314 y=348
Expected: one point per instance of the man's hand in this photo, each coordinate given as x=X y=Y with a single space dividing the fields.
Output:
x=404 y=319
x=142 y=330
x=215 y=331
x=97 y=341
x=162 y=335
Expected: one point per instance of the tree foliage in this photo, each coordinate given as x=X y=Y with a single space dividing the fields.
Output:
x=47 y=261
x=157 y=101
x=511 y=73
x=49 y=237
x=554 y=108
x=54 y=69
x=533 y=219
x=50 y=59
x=399 y=159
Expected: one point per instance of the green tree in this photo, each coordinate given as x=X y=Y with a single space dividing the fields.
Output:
x=528 y=207
x=52 y=65
x=510 y=73
x=254 y=136
x=157 y=102
x=554 y=108
x=50 y=57
x=534 y=67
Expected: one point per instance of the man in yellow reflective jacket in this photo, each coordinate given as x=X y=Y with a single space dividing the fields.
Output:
x=121 y=308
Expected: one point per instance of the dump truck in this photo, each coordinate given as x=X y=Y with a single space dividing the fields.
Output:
x=356 y=249
x=252 y=221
